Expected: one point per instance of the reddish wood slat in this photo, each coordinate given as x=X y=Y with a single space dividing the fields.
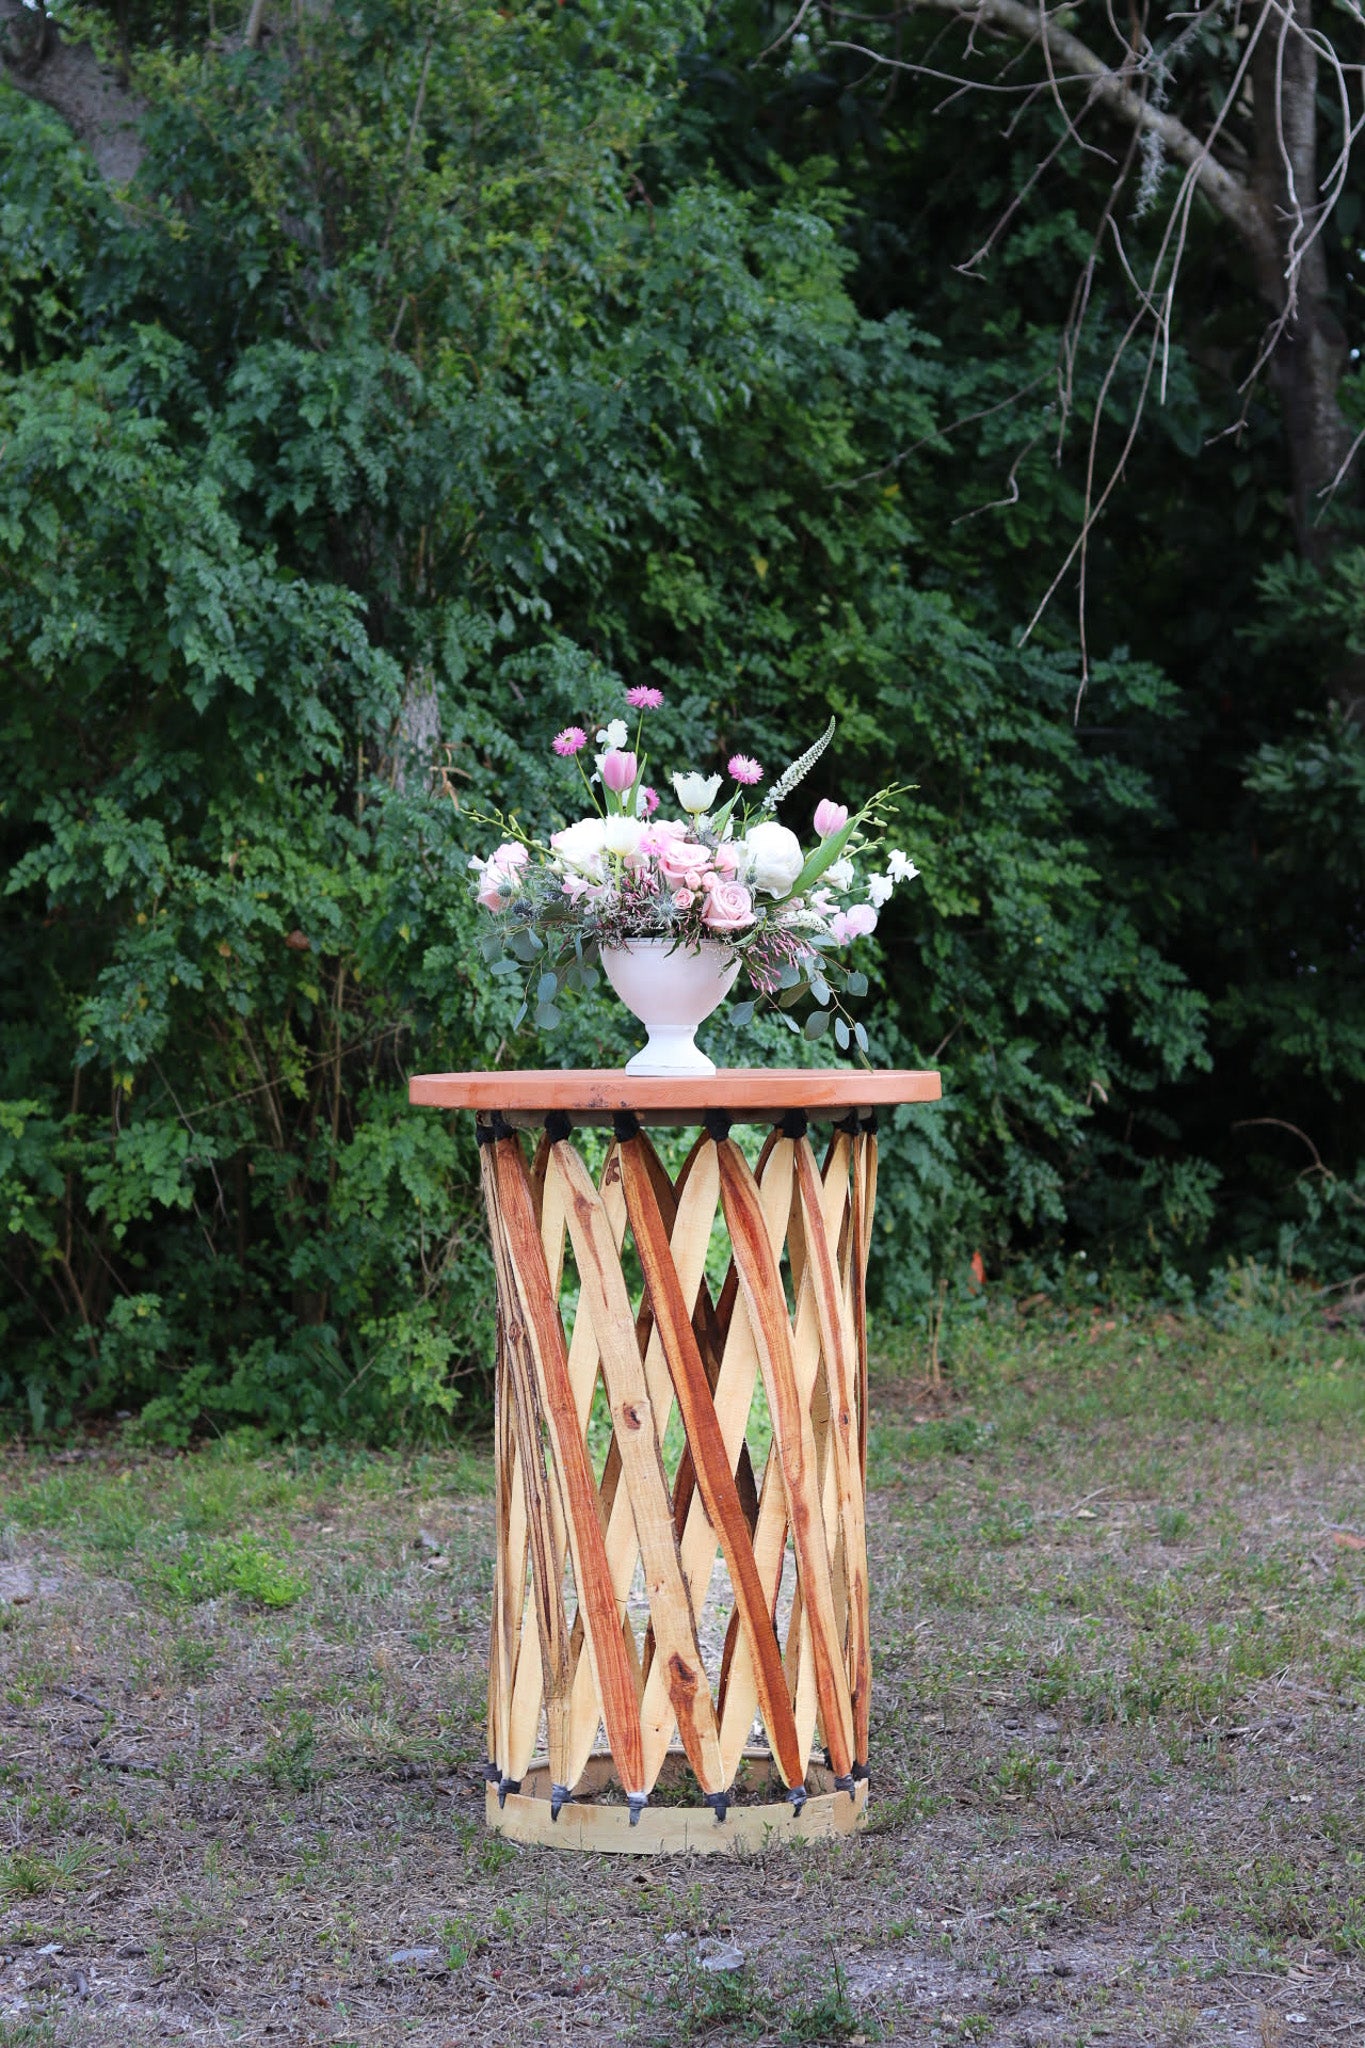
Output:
x=766 y=1089
x=715 y=1480
x=525 y=1260
x=794 y=1440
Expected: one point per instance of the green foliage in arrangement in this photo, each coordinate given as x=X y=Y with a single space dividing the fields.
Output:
x=441 y=377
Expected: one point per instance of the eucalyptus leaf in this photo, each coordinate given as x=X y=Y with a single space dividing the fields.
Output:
x=742 y=1013
x=547 y=1017
x=841 y=1034
x=547 y=988
x=857 y=982
x=860 y=1033
x=817 y=1024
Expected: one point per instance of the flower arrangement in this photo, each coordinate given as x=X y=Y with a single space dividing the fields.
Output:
x=724 y=873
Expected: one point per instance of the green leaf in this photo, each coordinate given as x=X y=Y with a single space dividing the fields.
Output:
x=841 y=1034
x=857 y=982
x=817 y=1024
x=547 y=1017
x=547 y=988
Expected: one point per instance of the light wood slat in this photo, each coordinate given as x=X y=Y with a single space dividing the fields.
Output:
x=524 y=1720
x=738 y=1693
x=865 y=1200
x=633 y=1414
x=691 y=1235
x=547 y=1354
x=715 y=1473
x=499 y=1644
x=794 y=1438
x=546 y=1579
x=823 y=1204
x=733 y=1395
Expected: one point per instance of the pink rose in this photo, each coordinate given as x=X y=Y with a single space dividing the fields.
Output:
x=683 y=899
x=856 y=923
x=682 y=863
x=728 y=859
x=729 y=908
x=830 y=818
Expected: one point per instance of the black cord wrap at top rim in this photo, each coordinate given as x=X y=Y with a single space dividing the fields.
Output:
x=794 y=1124
x=487 y=1131
x=558 y=1125
x=625 y=1125
x=717 y=1124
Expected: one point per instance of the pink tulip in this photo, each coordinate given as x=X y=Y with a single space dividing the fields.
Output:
x=619 y=770
x=830 y=818
x=729 y=908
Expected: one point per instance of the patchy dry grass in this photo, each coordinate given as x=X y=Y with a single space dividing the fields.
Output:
x=1117 y=1750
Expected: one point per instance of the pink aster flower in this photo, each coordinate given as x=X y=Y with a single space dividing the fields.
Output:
x=742 y=768
x=642 y=698
x=649 y=801
x=570 y=741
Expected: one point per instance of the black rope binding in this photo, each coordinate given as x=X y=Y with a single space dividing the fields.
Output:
x=558 y=1125
x=491 y=1774
x=719 y=1803
x=870 y=1123
x=497 y=1127
x=506 y=1785
x=625 y=1124
x=848 y=1123
x=637 y=1802
x=798 y=1796
x=560 y=1795
x=794 y=1124
x=861 y=1774
x=845 y=1785
x=717 y=1124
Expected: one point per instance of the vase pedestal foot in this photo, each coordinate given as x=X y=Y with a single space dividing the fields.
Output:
x=671 y=1050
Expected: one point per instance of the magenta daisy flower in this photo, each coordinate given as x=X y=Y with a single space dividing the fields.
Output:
x=571 y=740
x=642 y=698
x=743 y=769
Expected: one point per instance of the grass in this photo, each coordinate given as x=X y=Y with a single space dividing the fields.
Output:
x=1120 y=1678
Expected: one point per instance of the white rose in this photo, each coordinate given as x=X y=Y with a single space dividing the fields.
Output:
x=696 y=792
x=622 y=835
x=839 y=874
x=581 y=845
x=879 y=887
x=773 y=858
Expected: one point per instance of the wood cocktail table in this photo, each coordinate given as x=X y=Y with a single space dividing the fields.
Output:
x=610 y=1609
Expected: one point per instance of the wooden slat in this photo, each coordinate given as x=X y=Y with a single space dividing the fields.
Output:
x=691 y=1235
x=546 y=1579
x=546 y=1353
x=715 y=1475
x=793 y=1436
x=823 y=1203
x=633 y=1420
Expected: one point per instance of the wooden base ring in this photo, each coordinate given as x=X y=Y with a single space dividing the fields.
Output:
x=604 y=1829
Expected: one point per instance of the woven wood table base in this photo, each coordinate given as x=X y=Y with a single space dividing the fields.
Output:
x=568 y=1533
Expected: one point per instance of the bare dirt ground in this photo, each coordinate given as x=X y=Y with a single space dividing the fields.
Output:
x=1119 y=1775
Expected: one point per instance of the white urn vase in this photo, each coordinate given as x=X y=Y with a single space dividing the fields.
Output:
x=671 y=991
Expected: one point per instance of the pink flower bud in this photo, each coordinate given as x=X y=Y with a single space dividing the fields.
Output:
x=830 y=818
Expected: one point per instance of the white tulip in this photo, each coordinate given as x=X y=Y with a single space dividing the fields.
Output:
x=879 y=887
x=696 y=793
x=773 y=858
x=622 y=834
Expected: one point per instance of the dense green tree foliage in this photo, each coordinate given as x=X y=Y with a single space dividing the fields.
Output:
x=441 y=373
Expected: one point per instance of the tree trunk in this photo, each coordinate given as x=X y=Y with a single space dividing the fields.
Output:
x=1310 y=354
